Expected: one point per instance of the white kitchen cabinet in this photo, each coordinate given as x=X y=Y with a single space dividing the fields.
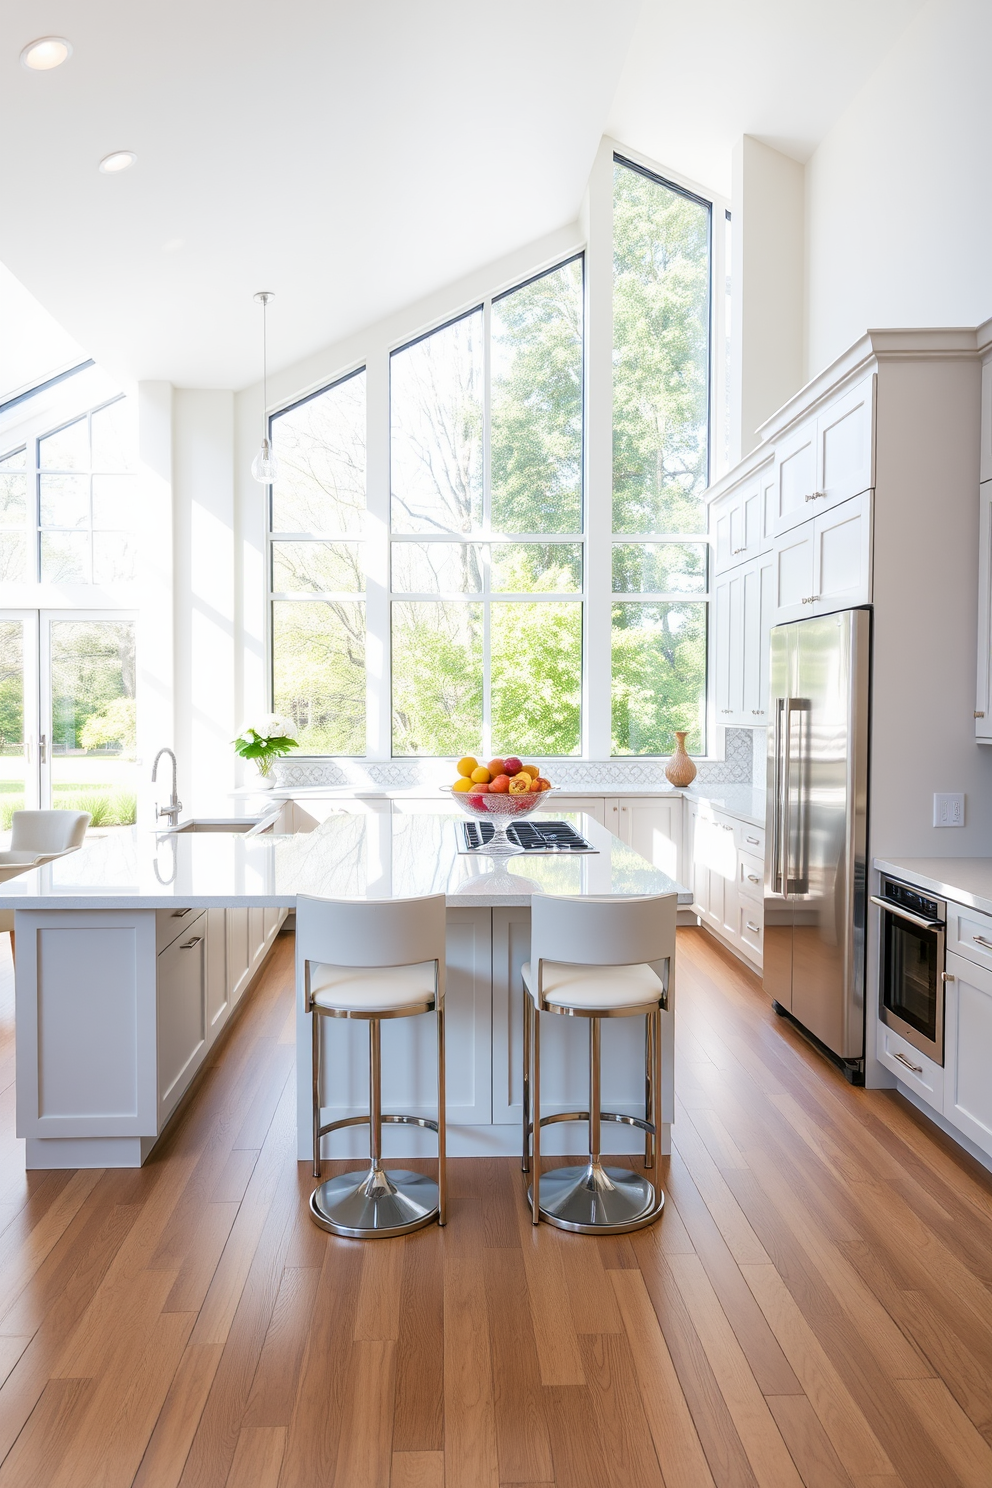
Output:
x=721 y=873
x=182 y=1014
x=967 y=1085
x=922 y=1075
x=826 y=459
x=758 y=619
x=728 y=625
x=594 y=806
x=238 y=953
x=218 y=1001
x=737 y=522
x=652 y=827
x=824 y=564
x=985 y=462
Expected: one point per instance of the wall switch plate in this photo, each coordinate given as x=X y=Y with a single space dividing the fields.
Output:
x=948 y=809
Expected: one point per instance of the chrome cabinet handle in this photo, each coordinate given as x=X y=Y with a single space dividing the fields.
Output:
x=916 y=1068
x=812 y=599
x=816 y=496
x=758 y=712
x=754 y=840
x=188 y=945
x=979 y=715
x=753 y=878
x=980 y=940
x=179 y=914
x=752 y=927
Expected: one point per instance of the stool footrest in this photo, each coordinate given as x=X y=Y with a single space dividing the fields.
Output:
x=637 y=1121
x=421 y=1121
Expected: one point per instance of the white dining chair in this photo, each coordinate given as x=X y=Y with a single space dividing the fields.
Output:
x=373 y=959
x=38 y=836
x=597 y=958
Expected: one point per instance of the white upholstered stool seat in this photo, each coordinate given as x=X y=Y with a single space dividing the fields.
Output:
x=379 y=989
x=588 y=987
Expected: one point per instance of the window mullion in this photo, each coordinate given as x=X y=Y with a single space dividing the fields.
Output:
x=598 y=458
x=378 y=690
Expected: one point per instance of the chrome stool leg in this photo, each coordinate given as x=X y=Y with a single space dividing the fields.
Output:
x=525 y=1160
x=376 y=1203
x=594 y=1199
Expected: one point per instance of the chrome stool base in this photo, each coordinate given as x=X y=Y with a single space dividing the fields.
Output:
x=594 y=1200
x=375 y=1204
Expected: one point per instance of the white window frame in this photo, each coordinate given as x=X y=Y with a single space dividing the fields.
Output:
x=595 y=242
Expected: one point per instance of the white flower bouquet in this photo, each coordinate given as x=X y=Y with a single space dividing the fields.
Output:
x=265 y=739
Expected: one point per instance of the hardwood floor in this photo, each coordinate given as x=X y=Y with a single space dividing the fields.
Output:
x=814 y=1307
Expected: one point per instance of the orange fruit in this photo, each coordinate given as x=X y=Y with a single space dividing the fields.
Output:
x=480 y=775
x=466 y=766
x=541 y=784
x=462 y=784
x=500 y=784
x=532 y=770
x=496 y=767
x=519 y=785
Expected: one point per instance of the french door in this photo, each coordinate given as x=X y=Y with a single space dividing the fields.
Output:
x=67 y=712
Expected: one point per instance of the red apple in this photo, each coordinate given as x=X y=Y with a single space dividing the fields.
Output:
x=511 y=765
x=496 y=767
x=499 y=784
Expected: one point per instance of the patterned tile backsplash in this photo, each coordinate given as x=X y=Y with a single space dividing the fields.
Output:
x=740 y=766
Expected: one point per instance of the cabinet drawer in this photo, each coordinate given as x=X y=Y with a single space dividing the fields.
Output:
x=170 y=923
x=911 y=1067
x=750 y=839
x=969 y=934
x=750 y=877
x=750 y=926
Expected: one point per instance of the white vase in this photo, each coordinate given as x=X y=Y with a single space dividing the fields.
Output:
x=262 y=780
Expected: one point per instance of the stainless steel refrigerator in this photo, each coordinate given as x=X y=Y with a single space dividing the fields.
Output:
x=814 y=952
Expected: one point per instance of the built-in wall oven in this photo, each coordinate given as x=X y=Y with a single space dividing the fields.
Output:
x=911 y=979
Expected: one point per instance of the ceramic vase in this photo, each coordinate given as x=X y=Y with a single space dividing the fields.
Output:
x=264 y=778
x=680 y=769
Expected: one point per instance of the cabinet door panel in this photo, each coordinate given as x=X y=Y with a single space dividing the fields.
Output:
x=218 y=1002
x=758 y=618
x=721 y=524
x=968 y=1051
x=654 y=829
x=182 y=1027
x=985 y=468
x=795 y=477
x=729 y=647
x=845 y=446
x=794 y=574
x=238 y=957
x=594 y=806
x=842 y=555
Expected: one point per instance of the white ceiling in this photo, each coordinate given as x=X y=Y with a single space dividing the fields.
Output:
x=354 y=157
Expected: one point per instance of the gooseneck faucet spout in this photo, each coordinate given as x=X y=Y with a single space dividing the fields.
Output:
x=175 y=805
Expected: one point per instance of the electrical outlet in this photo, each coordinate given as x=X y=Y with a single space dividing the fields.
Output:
x=948 y=809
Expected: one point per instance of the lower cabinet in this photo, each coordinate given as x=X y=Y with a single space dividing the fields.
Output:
x=967 y=1085
x=726 y=873
x=181 y=1013
x=652 y=827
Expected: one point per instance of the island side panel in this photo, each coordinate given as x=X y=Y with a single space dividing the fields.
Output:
x=85 y=1002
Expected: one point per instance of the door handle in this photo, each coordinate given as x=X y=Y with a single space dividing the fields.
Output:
x=188 y=945
x=42 y=749
x=916 y=1068
x=752 y=927
x=980 y=940
x=753 y=878
x=180 y=914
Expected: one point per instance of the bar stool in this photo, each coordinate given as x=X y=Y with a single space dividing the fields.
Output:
x=374 y=960
x=596 y=958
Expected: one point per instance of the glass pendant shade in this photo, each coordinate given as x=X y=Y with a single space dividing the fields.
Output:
x=265 y=466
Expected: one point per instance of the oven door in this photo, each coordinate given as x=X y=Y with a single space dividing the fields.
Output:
x=911 y=984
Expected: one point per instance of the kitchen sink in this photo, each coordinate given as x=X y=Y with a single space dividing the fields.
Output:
x=240 y=825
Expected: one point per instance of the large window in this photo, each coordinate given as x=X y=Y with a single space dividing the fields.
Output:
x=456 y=605
x=68 y=502
x=661 y=331
x=317 y=557
x=486 y=610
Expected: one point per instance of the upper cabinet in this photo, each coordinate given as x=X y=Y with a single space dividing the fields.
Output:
x=825 y=459
x=737 y=523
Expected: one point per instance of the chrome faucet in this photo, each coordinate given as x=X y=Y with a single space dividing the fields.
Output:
x=175 y=805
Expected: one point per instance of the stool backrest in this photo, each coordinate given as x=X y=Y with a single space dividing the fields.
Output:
x=371 y=932
x=603 y=931
x=48 y=831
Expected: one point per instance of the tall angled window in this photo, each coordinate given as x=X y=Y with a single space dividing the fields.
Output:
x=87 y=497
x=317 y=578
x=487 y=570
x=661 y=378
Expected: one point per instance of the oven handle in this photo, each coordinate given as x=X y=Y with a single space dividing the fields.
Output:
x=904 y=914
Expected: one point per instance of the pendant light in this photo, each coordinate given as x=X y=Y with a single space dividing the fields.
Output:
x=265 y=466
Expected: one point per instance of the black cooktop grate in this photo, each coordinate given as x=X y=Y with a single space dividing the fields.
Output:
x=534 y=837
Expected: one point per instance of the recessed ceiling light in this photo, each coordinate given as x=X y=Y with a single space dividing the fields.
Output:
x=118 y=161
x=45 y=53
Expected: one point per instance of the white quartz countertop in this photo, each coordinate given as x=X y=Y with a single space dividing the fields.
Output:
x=362 y=856
x=962 y=880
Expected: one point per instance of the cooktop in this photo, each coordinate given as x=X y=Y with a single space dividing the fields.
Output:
x=532 y=836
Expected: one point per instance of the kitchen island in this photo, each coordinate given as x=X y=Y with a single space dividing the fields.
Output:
x=125 y=979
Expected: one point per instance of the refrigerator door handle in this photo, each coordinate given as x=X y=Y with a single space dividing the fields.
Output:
x=779 y=830
x=798 y=873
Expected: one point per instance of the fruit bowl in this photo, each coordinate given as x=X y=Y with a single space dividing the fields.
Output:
x=501 y=809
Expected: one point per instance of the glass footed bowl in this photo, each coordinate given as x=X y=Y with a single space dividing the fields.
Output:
x=501 y=808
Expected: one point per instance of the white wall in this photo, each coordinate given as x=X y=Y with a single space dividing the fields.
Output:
x=899 y=193
x=767 y=277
